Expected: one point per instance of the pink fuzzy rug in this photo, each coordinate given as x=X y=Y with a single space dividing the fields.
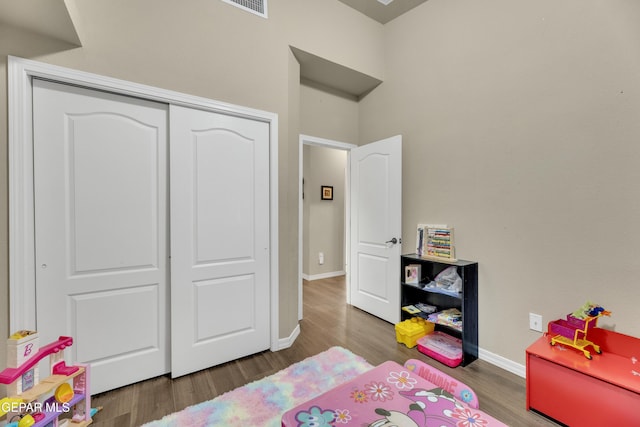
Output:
x=262 y=403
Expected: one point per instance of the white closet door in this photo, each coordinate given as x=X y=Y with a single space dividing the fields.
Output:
x=101 y=230
x=220 y=306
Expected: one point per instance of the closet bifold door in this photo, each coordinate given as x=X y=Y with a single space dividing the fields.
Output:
x=100 y=196
x=219 y=208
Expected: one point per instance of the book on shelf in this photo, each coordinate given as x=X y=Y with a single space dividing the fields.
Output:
x=451 y=317
x=411 y=309
x=419 y=239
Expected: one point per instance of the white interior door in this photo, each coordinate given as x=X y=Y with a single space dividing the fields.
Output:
x=100 y=168
x=376 y=220
x=220 y=287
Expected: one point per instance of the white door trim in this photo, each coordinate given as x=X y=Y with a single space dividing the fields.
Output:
x=320 y=142
x=22 y=286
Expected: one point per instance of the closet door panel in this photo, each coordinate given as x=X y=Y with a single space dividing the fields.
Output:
x=100 y=185
x=222 y=157
x=220 y=282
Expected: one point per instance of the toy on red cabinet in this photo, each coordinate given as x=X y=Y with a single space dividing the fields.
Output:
x=573 y=331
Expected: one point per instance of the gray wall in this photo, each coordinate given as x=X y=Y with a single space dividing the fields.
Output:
x=328 y=114
x=211 y=49
x=324 y=221
x=521 y=122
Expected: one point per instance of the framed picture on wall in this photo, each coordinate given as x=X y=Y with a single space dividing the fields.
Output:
x=327 y=192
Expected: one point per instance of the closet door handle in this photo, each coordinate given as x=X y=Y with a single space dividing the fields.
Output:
x=394 y=241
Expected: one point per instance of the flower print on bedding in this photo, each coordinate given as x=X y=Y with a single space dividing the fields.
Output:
x=378 y=391
x=402 y=380
x=315 y=417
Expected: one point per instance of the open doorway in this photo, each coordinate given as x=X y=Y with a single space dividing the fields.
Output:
x=323 y=224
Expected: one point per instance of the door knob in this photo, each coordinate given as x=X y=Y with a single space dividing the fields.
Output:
x=394 y=241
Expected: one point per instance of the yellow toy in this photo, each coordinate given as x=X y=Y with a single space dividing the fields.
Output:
x=64 y=393
x=6 y=403
x=409 y=331
x=27 y=421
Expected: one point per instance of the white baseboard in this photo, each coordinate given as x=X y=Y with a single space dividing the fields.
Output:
x=323 y=275
x=288 y=341
x=487 y=356
x=494 y=359
x=502 y=362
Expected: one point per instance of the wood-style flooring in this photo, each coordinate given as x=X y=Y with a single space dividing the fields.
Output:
x=328 y=321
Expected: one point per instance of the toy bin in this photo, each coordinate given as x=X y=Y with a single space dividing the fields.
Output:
x=442 y=347
x=409 y=331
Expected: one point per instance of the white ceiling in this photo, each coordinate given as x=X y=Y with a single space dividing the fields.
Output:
x=381 y=13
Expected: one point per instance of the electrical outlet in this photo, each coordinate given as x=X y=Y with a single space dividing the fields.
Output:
x=321 y=258
x=535 y=322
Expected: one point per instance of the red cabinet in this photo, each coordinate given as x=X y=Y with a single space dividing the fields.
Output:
x=566 y=386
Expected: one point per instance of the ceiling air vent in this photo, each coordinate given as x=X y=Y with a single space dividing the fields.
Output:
x=259 y=7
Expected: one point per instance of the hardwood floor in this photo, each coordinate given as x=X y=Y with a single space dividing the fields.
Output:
x=328 y=321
